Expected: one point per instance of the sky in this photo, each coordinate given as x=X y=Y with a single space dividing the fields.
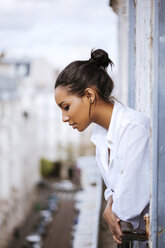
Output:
x=59 y=30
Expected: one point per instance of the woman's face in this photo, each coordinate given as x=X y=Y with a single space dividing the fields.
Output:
x=75 y=110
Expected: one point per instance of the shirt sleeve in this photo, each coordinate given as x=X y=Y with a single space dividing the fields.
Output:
x=132 y=189
x=107 y=193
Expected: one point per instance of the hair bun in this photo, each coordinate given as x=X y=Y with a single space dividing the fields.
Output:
x=100 y=58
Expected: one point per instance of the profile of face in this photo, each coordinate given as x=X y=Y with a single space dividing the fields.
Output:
x=75 y=110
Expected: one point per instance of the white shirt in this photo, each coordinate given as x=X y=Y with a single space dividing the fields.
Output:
x=127 y=176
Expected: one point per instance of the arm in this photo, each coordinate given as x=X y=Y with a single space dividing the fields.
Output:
x=132 y=189
x=112 y=221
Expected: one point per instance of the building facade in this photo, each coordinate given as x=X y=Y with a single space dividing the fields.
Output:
x=31 y=128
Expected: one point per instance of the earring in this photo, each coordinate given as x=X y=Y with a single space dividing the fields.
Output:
x=90 y=107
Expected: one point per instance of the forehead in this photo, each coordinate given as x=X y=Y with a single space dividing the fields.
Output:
x=61 y=94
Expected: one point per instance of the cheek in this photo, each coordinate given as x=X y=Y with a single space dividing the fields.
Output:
x=84 y=113
x=80 y=112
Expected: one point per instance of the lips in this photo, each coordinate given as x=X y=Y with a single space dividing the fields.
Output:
x=74 y=125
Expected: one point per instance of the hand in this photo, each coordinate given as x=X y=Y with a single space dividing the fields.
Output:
x=113 y=222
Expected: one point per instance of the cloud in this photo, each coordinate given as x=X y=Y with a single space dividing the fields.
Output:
x=57 y=29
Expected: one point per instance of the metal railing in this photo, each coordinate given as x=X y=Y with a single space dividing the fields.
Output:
x=130 y=235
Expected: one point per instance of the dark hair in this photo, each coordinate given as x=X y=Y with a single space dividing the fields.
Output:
x=79 y=75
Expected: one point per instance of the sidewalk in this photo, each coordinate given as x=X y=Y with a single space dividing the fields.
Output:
x=59 y=231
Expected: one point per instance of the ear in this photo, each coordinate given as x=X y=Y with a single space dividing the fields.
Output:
x=90 y=95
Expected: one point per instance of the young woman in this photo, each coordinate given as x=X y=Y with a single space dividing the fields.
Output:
x=83 y=91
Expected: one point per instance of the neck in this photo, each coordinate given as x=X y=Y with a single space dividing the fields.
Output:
x=102 y=114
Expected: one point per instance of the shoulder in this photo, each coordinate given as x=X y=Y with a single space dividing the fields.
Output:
x=133 y=118
x=134 y=131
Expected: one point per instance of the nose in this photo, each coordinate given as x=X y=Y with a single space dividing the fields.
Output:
x=65 y=117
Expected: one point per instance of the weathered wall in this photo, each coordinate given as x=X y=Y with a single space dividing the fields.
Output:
x=144 y=57
x=121 y=8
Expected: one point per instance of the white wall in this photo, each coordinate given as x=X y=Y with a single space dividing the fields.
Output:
x=121 y=8
x=144 y=57
x=142 y=49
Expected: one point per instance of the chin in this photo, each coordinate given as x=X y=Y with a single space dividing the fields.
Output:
x=81 y=129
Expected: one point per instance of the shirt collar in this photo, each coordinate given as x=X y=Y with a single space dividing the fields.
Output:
x=97 y=133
